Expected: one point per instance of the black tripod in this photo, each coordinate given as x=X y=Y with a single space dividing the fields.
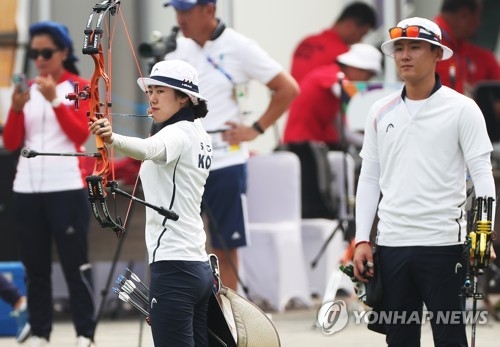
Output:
x=346 y=222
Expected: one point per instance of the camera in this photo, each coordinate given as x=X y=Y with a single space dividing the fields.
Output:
x=159 y=45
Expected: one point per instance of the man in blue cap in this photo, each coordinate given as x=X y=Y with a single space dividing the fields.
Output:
x=227 y=61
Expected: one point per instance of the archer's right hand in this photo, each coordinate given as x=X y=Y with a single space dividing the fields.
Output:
x=363 y=262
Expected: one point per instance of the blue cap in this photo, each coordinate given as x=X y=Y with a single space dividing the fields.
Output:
x=59 y=31
x=185 y=5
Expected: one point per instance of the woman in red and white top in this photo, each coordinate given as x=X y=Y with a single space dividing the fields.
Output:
x=50 y=200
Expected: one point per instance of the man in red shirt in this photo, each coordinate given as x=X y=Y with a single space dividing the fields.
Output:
x=323 y=48
x=470 y=63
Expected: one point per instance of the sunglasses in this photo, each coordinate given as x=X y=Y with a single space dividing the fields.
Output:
x=413 y=31
x=46 y=53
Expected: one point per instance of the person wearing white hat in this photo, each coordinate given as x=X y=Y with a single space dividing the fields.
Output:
x=418 y=144
x=177 y=159
x=315 y=117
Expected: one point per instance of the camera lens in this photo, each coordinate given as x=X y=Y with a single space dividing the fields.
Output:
x=151 y=49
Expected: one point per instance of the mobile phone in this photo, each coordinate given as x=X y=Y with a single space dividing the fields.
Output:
x=20 y=82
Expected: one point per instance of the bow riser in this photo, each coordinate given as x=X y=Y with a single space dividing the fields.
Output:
x=97 y=183
x=101 y=166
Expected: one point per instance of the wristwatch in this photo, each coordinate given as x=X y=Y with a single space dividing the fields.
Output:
x=56 y=102
x=258 y=127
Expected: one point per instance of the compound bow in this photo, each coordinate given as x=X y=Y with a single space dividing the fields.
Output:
x=99 y=180
x=478 y=245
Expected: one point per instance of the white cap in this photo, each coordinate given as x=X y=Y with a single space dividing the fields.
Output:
x=362 y=56
x=432 y=35
x=176 y=74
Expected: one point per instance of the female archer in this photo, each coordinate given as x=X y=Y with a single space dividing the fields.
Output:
x=177 y=159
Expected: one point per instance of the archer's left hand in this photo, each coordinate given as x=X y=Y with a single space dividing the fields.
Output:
x=102 y=128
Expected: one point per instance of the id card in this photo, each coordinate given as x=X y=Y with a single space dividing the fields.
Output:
x=221 y=146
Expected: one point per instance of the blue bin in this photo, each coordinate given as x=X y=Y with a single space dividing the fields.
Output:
x=14 y=272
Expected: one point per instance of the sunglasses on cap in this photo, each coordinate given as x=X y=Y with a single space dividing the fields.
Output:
x=46 y=53
x=413 y=31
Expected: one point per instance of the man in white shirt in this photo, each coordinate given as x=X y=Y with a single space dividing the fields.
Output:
x=226 y=62
x=418 y=144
